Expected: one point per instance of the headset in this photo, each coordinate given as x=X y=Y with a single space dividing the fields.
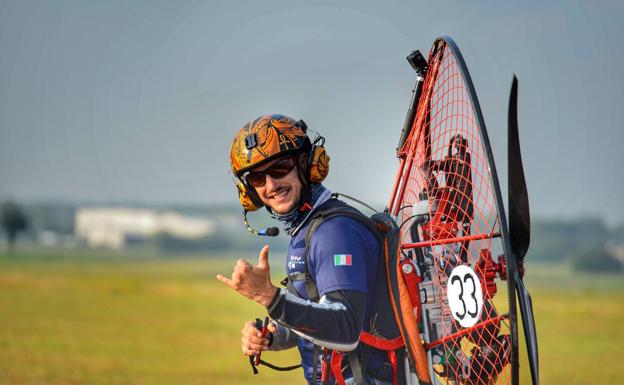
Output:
x=316 y=170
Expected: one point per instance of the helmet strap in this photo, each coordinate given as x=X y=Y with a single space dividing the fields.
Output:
x=305 y=198
x=305 y=201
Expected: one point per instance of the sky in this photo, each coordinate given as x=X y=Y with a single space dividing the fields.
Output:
x=138 y=101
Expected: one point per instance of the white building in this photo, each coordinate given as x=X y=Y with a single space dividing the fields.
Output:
x=112 y=227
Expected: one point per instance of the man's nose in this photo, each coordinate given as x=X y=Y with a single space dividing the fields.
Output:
x=269 y=182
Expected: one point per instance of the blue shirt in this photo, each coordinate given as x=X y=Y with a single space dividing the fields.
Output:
x=343 y=255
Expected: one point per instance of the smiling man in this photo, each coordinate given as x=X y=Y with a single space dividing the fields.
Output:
x=332 y=264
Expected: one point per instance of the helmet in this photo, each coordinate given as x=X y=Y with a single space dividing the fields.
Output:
x=266 y=138
x=270 y=137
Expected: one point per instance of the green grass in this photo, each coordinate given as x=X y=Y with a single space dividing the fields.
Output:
x=105 y=318
x=118 y=320
x=580 y=325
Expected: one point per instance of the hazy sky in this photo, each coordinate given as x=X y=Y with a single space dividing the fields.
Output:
x=138 y=101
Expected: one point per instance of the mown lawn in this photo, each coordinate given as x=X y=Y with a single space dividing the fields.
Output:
x=122 y=321
x=580 y=323
x=107 y=319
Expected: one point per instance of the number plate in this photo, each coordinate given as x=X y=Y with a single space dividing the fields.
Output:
x=465 y=296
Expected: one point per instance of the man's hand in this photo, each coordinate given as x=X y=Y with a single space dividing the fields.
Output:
x=251 y=338
x=254 y=282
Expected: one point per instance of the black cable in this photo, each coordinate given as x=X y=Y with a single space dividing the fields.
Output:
x=279 y=368
x=355 y=200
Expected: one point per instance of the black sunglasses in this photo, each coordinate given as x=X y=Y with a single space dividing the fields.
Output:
x=277 y=171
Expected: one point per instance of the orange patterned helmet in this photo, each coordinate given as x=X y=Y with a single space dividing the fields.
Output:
x=266 y=138
x=269 y=137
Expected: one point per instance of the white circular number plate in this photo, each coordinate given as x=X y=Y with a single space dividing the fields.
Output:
x=465 y=296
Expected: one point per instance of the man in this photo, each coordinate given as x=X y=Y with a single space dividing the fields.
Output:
x=332 y=278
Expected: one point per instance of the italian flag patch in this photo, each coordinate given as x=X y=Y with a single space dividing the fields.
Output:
x=342 y=260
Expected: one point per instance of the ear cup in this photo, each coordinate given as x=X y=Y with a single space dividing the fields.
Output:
x=318 y=164
x=248 y=197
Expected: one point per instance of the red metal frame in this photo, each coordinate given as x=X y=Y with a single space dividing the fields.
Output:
x=397 y=181
x=436 y=242
x=463 y=332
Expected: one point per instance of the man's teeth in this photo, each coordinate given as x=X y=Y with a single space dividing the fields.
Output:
x=280 y=194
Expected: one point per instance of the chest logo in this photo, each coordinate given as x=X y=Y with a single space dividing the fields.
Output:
x=295 y=263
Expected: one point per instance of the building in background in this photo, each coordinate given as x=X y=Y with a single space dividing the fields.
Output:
x=116 y=227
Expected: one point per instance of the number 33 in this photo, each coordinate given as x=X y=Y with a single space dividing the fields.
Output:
x=464 y=295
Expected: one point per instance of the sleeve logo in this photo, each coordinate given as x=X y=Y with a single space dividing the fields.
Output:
x=342 y=259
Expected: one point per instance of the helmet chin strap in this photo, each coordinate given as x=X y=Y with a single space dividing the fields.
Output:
x=305 y=197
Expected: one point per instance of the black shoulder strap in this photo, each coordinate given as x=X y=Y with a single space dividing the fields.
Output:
x=333 y=208
x=335 y=211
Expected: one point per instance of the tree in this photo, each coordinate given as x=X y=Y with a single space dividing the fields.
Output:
x=13 y=222
x=596 y=260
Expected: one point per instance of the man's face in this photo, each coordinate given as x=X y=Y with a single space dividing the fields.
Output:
x=280 y=193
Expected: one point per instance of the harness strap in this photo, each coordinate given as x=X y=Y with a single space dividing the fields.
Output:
x=325 y=369
x=393 y=361
x=289 y=283
x=356 y=369
x=381 y=343
x=390 y=346
x=336 y=367
x=316 y=352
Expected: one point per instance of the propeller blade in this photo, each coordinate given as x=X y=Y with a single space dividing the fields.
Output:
x=520 y=228
x=528 y=323
x=518 y=198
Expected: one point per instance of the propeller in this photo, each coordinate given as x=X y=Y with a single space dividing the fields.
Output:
x=520 y=228
x=519 y=217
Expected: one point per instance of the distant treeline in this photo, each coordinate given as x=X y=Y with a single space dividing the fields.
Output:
x=231 y=234
x=558 y=239
x=218 y=242
x=588 y=243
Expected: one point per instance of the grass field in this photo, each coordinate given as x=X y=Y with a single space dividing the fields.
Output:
x=110 y=319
